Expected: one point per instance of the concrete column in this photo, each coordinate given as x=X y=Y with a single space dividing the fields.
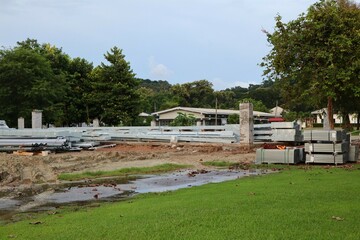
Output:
x=153 y=123
x=21 y=123
x=198 y=123
x=246 y=124
x=36 y=119
x=326 y=123
x=96 y=123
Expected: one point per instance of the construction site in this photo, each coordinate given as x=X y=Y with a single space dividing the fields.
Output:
x=33 y=159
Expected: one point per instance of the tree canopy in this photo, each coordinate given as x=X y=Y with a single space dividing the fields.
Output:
x=71 y=91
x=315 y=59
x=27 y=82
x=113 y=95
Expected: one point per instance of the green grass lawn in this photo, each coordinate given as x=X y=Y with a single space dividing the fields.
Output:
x=314 y=203
x=220 y=164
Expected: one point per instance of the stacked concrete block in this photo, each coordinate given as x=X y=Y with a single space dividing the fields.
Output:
x=262 y=132
x=327 y=146
x=353 y=153
x=286 y=132
x=285 y=156
x=325 y=135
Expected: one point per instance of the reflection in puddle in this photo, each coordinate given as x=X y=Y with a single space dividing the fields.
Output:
x=116 y=189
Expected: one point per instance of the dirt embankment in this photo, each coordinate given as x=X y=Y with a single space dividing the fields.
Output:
x=26 y=170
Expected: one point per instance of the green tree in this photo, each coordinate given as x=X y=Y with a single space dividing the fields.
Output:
x=233 y=119
x=225 y=99
x=113 y=97
x=27 y=82
x=316 y=58
x=75 y=104
x=257 y=104
x=58 y=113
x=194 y=94
x=155 y=95
x=183 y=119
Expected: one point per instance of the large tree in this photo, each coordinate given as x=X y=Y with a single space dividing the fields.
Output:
x=58 y=112
x=113 y=97
x=194 y=94
x=27 y=82
x=78 y=80
x=316 y=57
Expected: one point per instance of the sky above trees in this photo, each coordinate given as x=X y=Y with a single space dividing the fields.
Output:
x=177 y=41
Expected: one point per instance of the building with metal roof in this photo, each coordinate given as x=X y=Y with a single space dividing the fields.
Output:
x=204 y=116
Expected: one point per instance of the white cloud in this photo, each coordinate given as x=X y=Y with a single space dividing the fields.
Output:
x=158 y=70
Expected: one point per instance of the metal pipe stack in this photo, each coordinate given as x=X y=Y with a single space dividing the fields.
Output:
x=33 y=144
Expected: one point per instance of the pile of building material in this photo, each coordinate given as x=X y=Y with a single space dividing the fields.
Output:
x=262 y=132
x=75 y=138
x=286 y=132
x=204 y=134
x=327 y=146
x=278 y=132
x=34 y=144
x=288 y=155
x=37 y=140
x=353 y=153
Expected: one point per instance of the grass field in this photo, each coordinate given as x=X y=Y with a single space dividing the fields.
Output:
x=315 y=203
x=121 y=172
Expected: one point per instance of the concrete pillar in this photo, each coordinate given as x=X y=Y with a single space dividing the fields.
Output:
x=153 y=123
x=326 y=123
x=96 y=123
x=21 y=123
x=36 y=119
x=246 y=124
x=198 y=123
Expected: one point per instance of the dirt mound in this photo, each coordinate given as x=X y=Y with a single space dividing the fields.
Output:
x=20 y=170
x=15 y=170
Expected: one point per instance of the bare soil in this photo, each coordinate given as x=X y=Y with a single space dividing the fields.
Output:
x=21 y=171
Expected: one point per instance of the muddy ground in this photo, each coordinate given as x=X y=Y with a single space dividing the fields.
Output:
x=25 y=171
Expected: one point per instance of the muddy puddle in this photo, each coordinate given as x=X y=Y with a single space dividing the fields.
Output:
x=114 y=189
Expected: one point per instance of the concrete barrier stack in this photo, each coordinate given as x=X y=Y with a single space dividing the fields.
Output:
x=327 y=146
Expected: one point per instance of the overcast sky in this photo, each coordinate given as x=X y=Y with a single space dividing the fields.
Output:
x=175 y=40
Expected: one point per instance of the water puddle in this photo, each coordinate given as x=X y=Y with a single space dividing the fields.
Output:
x=114 y=189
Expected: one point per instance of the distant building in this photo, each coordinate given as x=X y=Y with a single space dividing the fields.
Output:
x=338 y=119
x=204 y=116
x=277 y=111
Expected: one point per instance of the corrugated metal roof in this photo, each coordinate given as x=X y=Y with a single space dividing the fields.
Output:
x=211 y=111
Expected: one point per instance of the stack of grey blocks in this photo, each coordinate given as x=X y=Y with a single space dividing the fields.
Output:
x=353 y=153
x=290 y=155
x=286 y=132
x=262 y=132
x=282 y=132
x=329 y=147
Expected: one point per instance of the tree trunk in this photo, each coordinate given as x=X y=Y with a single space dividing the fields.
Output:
x=330 y=114
x=346 y=123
